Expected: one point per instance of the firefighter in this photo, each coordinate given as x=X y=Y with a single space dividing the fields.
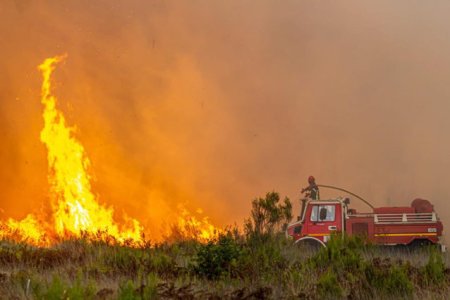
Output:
x=312 y=190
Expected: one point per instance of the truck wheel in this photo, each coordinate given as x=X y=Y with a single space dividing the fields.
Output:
x=418 y=244
x=310 y=245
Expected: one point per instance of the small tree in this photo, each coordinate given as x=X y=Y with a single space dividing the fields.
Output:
x=268 y=215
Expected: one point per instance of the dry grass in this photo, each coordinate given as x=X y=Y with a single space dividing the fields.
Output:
x=273 y=268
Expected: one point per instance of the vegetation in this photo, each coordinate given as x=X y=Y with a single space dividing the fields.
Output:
x=268 y=215
x=257 y=264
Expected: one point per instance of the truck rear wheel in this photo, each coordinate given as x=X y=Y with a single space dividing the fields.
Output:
x=418 y=244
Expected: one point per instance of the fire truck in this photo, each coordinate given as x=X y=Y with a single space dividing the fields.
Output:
x=417 y=224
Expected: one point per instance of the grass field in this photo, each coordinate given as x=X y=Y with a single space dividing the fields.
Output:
x=233 y=267
x=256 y=263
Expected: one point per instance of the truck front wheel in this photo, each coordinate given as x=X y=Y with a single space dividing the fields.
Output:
x=310 y=244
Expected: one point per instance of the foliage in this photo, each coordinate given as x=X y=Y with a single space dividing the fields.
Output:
x=389 y=280
x=434 y=270
x=342 y=260
x=328 y=286
x=127 y=291
x=259 y=263
x=233 y=266
x=343 y=253
x=268 y=215
x=58 y=289
x=218 y=259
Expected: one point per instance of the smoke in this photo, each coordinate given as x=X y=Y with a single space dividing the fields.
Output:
x=214 y=103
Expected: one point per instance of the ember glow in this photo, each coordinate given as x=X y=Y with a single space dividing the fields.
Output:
x=75 y=210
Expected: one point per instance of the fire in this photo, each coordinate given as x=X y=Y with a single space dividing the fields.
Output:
x=75 y=207
x=191 y=226
x=29 y=230
x=75 y=210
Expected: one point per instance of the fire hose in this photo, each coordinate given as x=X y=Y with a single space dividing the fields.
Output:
x=345 y=191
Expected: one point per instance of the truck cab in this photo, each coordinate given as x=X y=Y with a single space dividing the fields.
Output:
x=319 y=219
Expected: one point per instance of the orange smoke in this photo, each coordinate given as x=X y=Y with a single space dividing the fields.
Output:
x=75 y=210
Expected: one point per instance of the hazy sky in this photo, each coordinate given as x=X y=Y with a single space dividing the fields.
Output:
x=211 y=103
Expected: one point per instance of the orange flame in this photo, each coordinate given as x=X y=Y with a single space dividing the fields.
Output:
x=190 y=227
x=29 y=230
x=75 y=209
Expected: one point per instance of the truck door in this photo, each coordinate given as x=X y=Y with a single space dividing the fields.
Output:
x=324 y=219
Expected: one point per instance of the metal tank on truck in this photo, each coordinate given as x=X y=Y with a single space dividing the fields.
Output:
x=417 y=224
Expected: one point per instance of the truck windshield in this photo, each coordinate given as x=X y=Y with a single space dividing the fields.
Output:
x=323 y=213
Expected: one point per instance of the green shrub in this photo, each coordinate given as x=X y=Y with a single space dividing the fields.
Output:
x=127 y=291
x=217 y=259
x=162 y=263
x=268 y=215
x=151 y=289
x=123 y=260
x=390 y=280
x=264 y=256
x=343 y=254
x=55 y=290
x=397 y=282
x=58 y=289
x=81 y=290
x=328 y=286
x=434 y=271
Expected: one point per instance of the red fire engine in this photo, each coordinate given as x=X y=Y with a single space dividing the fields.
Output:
x=417 y=224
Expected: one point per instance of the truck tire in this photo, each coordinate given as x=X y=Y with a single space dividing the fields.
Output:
x=419 y=244
x=310 y=244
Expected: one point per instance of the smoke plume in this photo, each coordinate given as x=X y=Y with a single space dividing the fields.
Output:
x=211 y=103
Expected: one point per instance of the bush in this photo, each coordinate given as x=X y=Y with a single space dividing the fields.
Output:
x=434 y=271
x=150 y=290
x=389 y=280
x=122 y=259
x=127 y=291
x=163 y=264
x=55 y=290
x=217 y=259
x=81 y=291
x=397 y=282
x=342 y=262
x=342 y=254
x=264 y=256
x=328 y=286
x=268 y=215
x=58 y=289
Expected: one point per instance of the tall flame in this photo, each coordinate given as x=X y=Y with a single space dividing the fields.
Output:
x=75 y=211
